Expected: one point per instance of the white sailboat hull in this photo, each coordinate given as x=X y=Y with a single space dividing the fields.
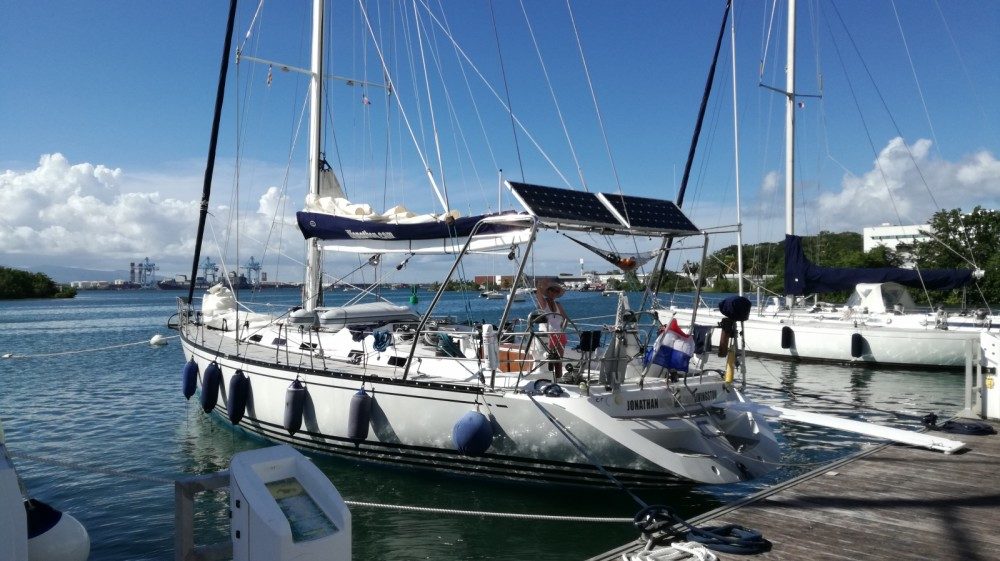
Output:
x=884 y=344
x=634 y=434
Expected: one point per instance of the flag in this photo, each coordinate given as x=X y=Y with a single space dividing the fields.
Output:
x=270 y=75
x=365 y=100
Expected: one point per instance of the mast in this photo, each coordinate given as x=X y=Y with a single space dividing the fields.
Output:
x=313 y=290
x=790 y=130
x=213 y=143
x=736 y=152
x=669 y=240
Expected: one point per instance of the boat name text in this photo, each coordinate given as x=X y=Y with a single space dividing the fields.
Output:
x=365 y=235
x=710 y=395
x=642 y=404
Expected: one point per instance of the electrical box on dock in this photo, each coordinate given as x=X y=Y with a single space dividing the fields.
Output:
x=284 y=508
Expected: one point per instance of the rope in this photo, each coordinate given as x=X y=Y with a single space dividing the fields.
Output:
x=954 y=426
x=580 y=448
x=382 y=340
x=486 y=514
x=81 y=351
x=363 y=504
x=679 y=551
x=731 y=538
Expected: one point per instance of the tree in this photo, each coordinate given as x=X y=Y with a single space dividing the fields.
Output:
x=22 y=284
x=964 y=241
x=631 y=282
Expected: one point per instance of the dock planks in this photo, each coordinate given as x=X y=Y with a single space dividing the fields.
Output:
x=892 y=503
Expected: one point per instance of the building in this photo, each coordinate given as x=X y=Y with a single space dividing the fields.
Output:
x=892 y=236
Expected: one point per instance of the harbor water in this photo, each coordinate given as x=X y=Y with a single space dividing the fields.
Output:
x=100 y=434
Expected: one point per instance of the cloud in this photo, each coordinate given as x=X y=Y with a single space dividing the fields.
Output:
x=77 y=214
x=908 y=184
x=770 y=182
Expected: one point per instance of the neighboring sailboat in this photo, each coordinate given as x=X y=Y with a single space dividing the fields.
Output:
x=879 y=325
x=30 y=529
x=378 y=381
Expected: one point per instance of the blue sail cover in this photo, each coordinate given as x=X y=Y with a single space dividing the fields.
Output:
x=330 y=227
x=803 y=277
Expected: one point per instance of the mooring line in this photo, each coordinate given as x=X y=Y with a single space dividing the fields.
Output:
x=81 y=351
x=362 y=504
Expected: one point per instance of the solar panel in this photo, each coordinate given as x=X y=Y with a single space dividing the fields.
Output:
x=641 y=213
x=568 y=208
x=564 y=206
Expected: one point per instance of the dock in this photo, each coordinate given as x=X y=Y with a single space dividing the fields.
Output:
x=889 y=502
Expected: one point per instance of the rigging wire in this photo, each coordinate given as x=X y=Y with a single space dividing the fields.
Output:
x=457 y=132
x=506 y=88
x=909 y=152
x=593 y=97
x=472 y=99
x=402 y=112
x=889 y=114
x=766 y=39
x=430 y=106
x=984 y=120
x=412 y=66
x=916 y=80
x=497 y=95
x=555 y=100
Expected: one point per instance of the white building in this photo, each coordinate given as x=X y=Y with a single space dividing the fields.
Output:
x=891 y=236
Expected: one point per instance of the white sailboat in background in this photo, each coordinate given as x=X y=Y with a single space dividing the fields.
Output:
x=378 y=381
x=879 y=324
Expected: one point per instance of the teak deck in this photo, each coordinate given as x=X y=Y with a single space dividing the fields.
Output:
x=890 y=503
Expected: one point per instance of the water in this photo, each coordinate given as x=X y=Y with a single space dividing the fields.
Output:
x=122 y=410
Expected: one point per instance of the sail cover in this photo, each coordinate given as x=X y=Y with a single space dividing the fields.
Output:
x=340 y=233
x=803 y=277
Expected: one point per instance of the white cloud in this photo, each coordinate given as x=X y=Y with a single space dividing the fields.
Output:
x=908 y=184
x=770 y=183
x=94 y=216
x=78 y=215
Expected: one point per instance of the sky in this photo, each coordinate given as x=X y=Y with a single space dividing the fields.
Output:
x=106 y=110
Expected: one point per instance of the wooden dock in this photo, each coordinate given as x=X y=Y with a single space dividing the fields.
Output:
x=892 y=503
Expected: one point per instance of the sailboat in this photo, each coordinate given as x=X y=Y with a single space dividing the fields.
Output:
x=879 y=325
x=379 y=382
